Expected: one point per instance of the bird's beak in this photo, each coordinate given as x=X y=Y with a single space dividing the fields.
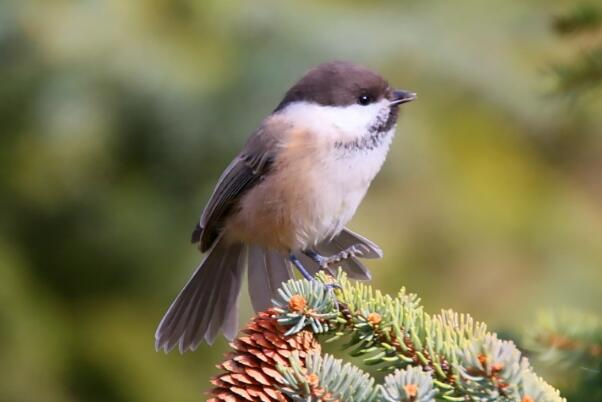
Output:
x=400 y=97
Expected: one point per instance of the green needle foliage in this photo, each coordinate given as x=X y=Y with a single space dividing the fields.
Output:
x=447 y=356
x=326 y=378
x=411 y=384
x=491 y=370
x=323 y=312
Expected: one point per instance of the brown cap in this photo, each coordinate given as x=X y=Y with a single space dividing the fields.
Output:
x=338 y=83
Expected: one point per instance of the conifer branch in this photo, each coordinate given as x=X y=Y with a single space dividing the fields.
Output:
x=447 y=356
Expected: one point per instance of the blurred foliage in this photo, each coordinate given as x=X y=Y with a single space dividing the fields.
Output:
x=585 y=72
x=583 y=17
x=117 y=117
x=569 y=344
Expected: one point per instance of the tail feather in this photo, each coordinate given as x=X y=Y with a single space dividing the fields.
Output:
x=177 y=319
x=355 y=269
x=259 y=289
x=267 y=271
x=204 y=320
x=225 y=318
x=195 y=323
x=207 y=304
x=230 y=325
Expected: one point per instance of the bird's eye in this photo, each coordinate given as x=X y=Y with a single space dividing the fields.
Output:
x=364 y=100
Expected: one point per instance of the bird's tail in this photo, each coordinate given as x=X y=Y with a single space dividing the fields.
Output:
x=208 y=302
x=267 y=271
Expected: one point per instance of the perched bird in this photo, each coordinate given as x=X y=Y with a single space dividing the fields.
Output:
x=286 y=198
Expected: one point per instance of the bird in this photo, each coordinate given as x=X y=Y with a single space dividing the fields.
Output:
x=286 y=198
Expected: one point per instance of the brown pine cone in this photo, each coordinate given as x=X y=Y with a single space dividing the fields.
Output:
x=250 y=372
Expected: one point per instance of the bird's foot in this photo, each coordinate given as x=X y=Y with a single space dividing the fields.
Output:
x=325 y=262
x=305 y=273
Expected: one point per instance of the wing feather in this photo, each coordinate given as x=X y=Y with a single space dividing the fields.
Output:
x=244 y=172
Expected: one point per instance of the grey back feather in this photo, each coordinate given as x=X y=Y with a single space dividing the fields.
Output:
x=243 y=173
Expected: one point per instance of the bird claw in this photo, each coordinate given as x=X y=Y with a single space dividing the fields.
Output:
x=325 y=262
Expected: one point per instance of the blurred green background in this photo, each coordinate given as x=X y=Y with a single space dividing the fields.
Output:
x=117 y=117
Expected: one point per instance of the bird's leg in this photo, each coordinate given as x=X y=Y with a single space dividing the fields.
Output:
x=324 y=262
x=321 y=260
x=300 y=267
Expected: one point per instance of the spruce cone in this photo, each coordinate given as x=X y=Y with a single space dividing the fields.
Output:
x=250 y=372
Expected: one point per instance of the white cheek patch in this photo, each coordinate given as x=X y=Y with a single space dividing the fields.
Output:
x=341 y=122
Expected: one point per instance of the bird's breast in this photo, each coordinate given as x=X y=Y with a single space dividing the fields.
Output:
x=337 y=182
x=311 y=193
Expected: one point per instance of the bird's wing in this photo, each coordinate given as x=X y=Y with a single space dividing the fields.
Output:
x=244 y=172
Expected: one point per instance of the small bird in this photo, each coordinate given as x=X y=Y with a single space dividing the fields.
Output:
x=285 y=200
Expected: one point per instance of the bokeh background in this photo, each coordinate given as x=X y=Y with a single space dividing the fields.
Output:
x=117 y=117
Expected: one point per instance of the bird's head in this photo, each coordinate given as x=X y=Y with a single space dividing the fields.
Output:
x=353 y=100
